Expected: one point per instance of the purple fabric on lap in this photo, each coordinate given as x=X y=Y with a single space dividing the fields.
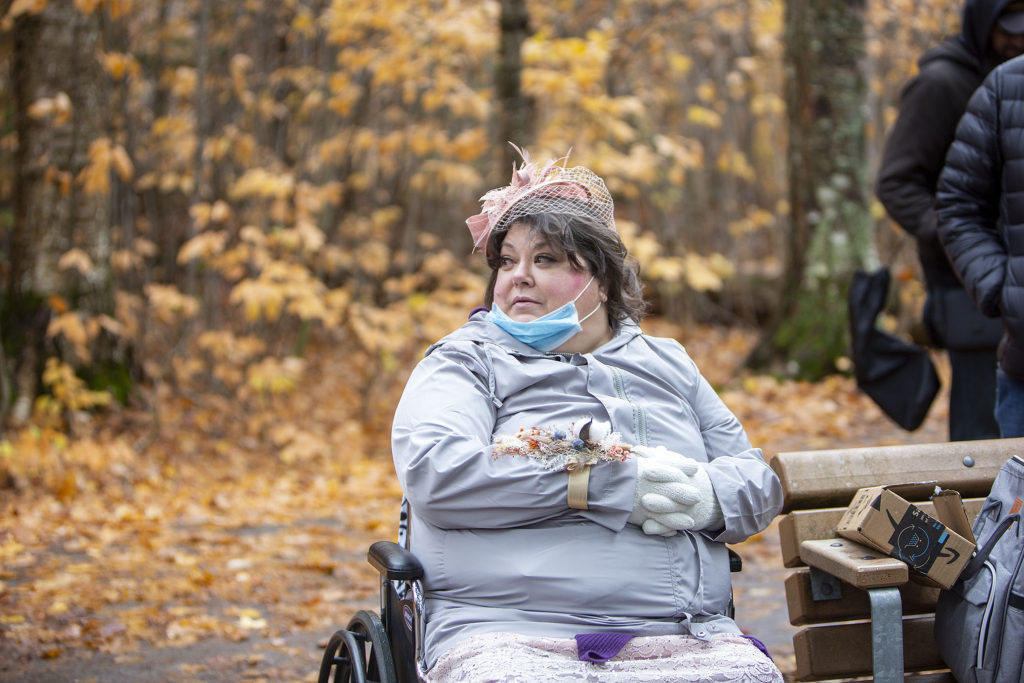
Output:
x=600 y=647
x=759 y=645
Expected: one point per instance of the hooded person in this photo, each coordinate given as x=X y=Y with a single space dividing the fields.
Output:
x=931 y=105
x=571 y=480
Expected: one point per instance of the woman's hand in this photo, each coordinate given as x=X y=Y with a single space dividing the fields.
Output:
x=673 y=493
x=660 y=490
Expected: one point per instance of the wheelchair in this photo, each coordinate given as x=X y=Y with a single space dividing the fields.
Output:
x=388 y=648
x=385 y=647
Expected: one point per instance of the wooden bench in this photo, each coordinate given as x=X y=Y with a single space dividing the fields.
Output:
x=852 y=626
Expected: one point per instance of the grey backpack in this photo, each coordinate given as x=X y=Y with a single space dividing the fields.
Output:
x=979 y=622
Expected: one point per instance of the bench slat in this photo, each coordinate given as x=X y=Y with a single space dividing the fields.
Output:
x=844 y=650
x=806 y=525
x=853 y=605
x=830 y=478
x=854 y=563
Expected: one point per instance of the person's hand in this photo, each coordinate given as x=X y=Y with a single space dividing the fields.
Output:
x=660 y=490
x=664 y=456
x=674 y=493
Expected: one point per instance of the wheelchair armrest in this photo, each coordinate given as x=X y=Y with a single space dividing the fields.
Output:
x=735 y=561
x=394 y=562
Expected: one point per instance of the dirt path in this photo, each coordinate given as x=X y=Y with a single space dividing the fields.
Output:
x=226 y=572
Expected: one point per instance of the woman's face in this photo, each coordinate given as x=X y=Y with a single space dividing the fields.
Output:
x=535 y=278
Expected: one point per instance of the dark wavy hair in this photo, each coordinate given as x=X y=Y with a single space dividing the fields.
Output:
x=589 y=244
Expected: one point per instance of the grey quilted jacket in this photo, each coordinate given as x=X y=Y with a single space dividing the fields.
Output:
x=503 y=551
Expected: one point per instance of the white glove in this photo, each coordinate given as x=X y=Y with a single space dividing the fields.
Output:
x=674 y=492
x=660 y=490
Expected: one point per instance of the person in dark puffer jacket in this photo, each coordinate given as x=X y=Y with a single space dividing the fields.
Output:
x=981 y=222
x=930 y=107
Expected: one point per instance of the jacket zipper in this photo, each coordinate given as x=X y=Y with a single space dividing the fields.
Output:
x=639 y=416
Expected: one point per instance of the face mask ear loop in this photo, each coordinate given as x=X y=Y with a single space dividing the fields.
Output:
x=591 y=313
x=581 y=294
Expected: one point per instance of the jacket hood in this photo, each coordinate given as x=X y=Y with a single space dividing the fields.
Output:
x=978 y=19
x=481 y=331
x=953 y=49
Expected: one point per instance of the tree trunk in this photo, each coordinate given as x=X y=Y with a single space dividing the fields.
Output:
x=54 y=55
x=513 y=105
x=830 y=232
x=202 y=104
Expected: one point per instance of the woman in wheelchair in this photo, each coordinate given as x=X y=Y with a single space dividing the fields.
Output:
x=572 y=480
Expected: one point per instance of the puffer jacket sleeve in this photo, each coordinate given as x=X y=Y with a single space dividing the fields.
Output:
x=748 y=490
x=441 y=443
x=968 y=200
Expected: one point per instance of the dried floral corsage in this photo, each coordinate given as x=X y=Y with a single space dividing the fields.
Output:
x=561 y=448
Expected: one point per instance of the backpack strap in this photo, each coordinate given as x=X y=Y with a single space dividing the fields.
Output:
x=979 y=557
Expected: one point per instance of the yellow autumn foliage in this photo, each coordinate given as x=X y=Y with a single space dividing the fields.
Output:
x=311 y=238
x=72 y=329
x=59 y=107
x=259 y=182
x=307 y=305
x=19 y=7
x=380 y=330
x=202 y=246
x=756 y=219
x=669 y=269
x=321 y=195
x=703 y=116
x=68 y=390
x=224 y=345
x=79 y=260
x=259 y=299
x=733 y=161
x=168 y=304
x=275 y=375
x=183 y=82
x=120 y=65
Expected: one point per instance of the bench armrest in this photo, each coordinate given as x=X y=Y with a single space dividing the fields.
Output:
x=394 y=562
x=856 y=564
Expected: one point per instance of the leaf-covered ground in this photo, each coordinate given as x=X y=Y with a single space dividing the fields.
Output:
x=207 y=548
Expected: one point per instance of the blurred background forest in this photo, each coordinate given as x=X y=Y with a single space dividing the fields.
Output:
x=192 y=193
x=231 y=228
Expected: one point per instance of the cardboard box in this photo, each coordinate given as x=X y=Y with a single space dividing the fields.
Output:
x=881 y=517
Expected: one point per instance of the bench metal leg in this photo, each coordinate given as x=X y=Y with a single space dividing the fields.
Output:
x=824 y=586
x=886 y=634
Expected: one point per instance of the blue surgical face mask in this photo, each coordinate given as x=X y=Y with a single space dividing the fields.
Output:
x=550 y=330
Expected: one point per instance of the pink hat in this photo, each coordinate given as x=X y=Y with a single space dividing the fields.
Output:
x=576 y=191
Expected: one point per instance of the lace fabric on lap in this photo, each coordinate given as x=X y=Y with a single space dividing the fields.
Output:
x=509 y=658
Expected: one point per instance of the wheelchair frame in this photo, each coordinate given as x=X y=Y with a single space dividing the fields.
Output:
x=386 y=648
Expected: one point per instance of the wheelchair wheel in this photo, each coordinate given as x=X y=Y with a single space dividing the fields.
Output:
x=348 y=656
